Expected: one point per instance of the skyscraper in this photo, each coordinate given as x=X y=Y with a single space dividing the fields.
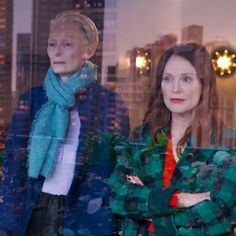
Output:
x=94 y=9
x=193 y=33
x=6 y=26
x=23 y=81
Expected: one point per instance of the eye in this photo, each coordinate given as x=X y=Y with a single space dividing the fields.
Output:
x=67 y=44
x=51 y=44
x=167 y=78
x=187 y=78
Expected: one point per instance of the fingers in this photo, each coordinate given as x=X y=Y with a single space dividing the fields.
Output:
x=134 y=180
x=189 y=199
x=207 y=196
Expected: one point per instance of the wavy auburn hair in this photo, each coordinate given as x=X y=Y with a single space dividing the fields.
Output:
x=205 y=126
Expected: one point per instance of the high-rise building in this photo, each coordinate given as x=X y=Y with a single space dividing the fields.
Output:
x=43 y=12
x=23 y=81
x=94 y=9
x=192 y=33
x=109 y=53
x=6 y=26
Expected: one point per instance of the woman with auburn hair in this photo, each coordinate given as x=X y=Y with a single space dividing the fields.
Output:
x=175 y=175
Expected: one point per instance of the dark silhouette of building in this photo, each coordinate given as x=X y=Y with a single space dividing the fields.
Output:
x=6 y=26
x=23 y=81
x=192 y=33
x=94 y=9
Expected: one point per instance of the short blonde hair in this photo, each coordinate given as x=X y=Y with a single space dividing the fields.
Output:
x=84 y=24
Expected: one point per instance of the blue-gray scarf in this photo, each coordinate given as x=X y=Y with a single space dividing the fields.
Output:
x=51 y=122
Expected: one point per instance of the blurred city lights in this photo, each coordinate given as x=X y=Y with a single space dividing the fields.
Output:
x=143 y=61
x=224 y=62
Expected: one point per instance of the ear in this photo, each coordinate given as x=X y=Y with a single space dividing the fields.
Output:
x=89 y=51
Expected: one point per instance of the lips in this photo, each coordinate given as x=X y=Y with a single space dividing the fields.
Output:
x=58 y=62
x=177 y=100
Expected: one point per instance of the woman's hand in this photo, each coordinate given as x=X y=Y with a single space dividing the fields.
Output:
x=185 y=200
x=134 y=180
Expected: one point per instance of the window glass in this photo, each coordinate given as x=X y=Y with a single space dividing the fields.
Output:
x=133 y=36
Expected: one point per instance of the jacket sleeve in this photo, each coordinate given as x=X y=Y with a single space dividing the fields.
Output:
x=219 y=228
x=136 y=201
x=219 y=212
x=13 y=163
x=15 y=189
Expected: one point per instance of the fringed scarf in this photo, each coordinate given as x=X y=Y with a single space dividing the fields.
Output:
x=51 y=122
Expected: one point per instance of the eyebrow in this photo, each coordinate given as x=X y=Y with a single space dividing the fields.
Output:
x=188 y=74
x=165 y=73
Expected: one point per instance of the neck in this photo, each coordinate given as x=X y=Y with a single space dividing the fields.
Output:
x=179 y=124
x=64 y=78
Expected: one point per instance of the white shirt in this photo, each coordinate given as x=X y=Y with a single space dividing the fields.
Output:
x=59 y=182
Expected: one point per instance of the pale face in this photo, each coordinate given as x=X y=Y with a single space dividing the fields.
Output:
x=67 y=50
x=180 y=86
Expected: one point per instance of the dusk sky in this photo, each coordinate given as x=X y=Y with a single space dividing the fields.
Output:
x=144 y=21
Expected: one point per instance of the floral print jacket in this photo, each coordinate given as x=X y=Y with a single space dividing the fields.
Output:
x=198 y=170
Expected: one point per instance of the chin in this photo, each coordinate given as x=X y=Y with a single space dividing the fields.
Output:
x=60 y=71
x=57 y=70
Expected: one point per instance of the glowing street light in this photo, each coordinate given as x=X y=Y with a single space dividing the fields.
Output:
x=224 y=62
x=143 y=61
x=140 y=62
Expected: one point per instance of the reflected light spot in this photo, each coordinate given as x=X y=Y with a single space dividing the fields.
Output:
x=140 y=62
x=224 y=62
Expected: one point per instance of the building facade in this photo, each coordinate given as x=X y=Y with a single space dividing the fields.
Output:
x=6 y=26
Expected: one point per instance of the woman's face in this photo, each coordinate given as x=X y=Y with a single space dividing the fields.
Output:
x=180 y=86
x=66 y=50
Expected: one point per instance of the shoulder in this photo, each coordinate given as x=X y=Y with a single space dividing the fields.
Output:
x=137 y=140
x=31 y=101
x=141 y=135
x=34 y=93
x=95 y=94
x=97 y=89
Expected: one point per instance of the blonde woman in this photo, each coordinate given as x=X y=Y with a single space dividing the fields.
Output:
x=49 y=188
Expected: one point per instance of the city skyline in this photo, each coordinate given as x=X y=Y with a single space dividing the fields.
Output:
x=119 y=37
x=131 y=29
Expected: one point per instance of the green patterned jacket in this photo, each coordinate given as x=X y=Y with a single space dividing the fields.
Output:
x=198 y=170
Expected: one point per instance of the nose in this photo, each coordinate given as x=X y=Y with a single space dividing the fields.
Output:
x=57 y=50
x=176 y=87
